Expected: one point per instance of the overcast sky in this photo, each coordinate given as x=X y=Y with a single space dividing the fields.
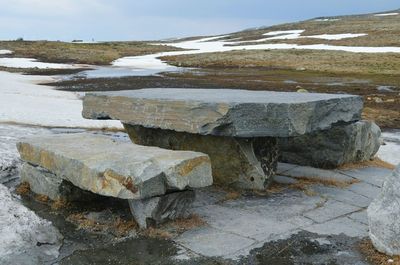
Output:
x=158 y=19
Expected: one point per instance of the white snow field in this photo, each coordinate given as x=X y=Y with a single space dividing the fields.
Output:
x=335 y=36
x=390 y=151
x=326 y=19
x=296 y=34
x=3 y=52
x=25 y=238
x=213 y=44
x=33 y=63
x=386 y=14
x=23 y=101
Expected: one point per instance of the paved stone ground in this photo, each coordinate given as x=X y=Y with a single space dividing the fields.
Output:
x=235 y=227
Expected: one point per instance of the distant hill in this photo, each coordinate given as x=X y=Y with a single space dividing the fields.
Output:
x=382 y=29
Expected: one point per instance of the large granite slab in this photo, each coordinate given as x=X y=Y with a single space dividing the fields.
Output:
x=118 y=168
x=225 y=112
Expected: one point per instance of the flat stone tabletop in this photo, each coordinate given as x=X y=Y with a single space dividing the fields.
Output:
x=224 y=112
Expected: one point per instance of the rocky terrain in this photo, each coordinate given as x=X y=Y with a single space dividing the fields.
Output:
x=308 y=216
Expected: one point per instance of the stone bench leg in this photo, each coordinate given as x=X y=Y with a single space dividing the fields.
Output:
x=341 y=144
x=156 y=210
x=246 y=163
x=42 y=181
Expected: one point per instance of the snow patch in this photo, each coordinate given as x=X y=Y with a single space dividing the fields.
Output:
x=25 y=238
x=281 y=32
x=296 y=34
x=326 y=19
x=336 y=36
x=284 y=35
x=25 y=102
x=33 y=63
x=386 y=14
x=3 y=52
x=390 y=151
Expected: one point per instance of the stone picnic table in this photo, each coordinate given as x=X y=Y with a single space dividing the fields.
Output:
x=185 y=139
x=238 y=129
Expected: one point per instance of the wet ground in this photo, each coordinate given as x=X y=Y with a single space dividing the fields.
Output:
x=241 y=230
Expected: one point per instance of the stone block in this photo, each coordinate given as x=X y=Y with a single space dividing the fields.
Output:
x=341 y=144
x=225 y=112
x=247 y=163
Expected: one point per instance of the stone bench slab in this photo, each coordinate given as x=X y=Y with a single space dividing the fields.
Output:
x=114 y=167
x=225 y=112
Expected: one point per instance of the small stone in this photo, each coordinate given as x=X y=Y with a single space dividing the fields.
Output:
x=384 y=216
x=156 y=210
x=385 y=88
x=302 y=90
x=331 y=148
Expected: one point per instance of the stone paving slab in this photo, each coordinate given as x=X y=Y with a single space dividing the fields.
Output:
x=343 y=195
x=222 y=111
x=360 y=216
x=231 y=220
x=365 y=189
x=235 y=227
x=311 y=172
x=330 y=210
x=369 y=175
x=284 y=206
x=338 y=226
x=213 y=242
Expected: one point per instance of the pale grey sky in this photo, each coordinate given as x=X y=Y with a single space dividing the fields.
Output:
x=157 y=19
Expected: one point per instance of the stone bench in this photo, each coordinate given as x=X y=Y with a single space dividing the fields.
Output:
x=238 y=129
x=156 y=182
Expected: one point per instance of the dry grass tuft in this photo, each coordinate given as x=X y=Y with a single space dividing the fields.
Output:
x=231 y=195
x=307 y=181
x=124 y=227
x=23 y=188
x=191 y=222
x=84 y=223
x=42 y=198
x=119 y=226
x=374 y=256
x=156 y=233
x=59 y=204
x=376 y=162
x=305 y=184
